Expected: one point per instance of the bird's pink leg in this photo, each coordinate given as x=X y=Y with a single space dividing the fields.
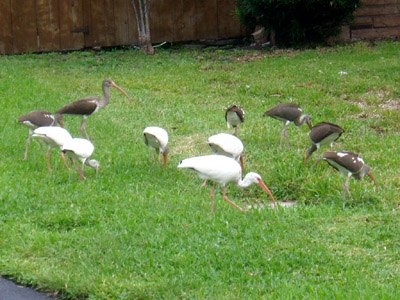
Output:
x=83 y=127
x=212 y=197
x=204 y=183
x=229 y=201
x=27 y=146
x=347 y=187
x=318 y=158
x=63 y=158
x=152 y=156
x=79 y=172
x=287 y=141
x=48 y=160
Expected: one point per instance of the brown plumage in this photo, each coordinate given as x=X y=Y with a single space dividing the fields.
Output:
x=88 y=106
x=33 y=120
x=348 y=164
x=288 y=112
x=234 y=116
x=323 y=133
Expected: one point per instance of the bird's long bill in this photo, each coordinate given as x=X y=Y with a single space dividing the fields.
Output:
x=165 y=160
x=372 y=177
x=265 y=188
x=119 y=89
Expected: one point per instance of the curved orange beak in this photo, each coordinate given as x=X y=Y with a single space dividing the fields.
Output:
x=372 y=177
x=119 y=89
x=265 y=188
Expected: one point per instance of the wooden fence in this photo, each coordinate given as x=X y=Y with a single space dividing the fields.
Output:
x=375 y=19
x=49 y=25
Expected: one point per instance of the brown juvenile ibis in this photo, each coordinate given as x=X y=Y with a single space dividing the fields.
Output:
x=234 y=116
x=288 y=112
x=33 y=120
x=323 y=133
x=348 y=164
x=88 y=106
x=81 y=149
x=157 y=138
x=222 y=169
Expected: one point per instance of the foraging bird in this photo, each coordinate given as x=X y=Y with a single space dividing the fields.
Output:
x=234 y=116
x=228 y=145
x=288 y=112
x=33 y=120
x=323 y=133
x=88 y=106
x=54 y=137
x=348 y=164
x=81 y=149
x=157 y=138
x=221 y=170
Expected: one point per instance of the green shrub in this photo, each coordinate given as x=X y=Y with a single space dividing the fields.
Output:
x=297 y=22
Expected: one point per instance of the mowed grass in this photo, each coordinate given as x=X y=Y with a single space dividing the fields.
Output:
x=135 y=231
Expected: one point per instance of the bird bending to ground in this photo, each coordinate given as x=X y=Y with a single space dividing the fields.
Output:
x=33 y=120
x=81 y=149
x=157 y=138
x=228 y=145
x=348 y=164
x=88 y=106
x=221 y=170
x=234 y=116
x=288 y=112
x=323 y=133
x=54 y=137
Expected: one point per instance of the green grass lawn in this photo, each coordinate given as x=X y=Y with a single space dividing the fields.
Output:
x=135 y=231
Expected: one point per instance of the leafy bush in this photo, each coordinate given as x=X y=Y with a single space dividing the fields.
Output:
x=297 y=22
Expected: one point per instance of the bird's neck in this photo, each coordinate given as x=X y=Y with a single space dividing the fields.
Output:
x=243 y=183
x=301 y=120
x=104 y=101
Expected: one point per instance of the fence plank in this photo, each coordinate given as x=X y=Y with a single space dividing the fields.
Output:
x=206 y=26
x=228 y=24
x=6 y=33
x=161 y=21
x=121 y=13
x=72 y=28
x=24 y=26
x=47 y=25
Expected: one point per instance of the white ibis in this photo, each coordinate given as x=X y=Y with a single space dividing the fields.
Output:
x=54 y=137
x=234 y=116
x=228 y=145
x=33 y=120
x=157 y=138
x=81 y=149
x=348 y=164
x=222 y=169
x=288 y=112
x=88 y=106
x=323 y=133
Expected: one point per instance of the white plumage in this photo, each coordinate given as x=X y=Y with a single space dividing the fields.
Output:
x=157 y=138
x=54 y=137
x=81 y=149
x=222 y=170
x=228 y=145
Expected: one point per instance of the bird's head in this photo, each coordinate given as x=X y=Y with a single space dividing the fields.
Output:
x=366 y=170
x=255 y=178
x=93 y=164
x=306 y=119
x=310 y=151
x=108 y=82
